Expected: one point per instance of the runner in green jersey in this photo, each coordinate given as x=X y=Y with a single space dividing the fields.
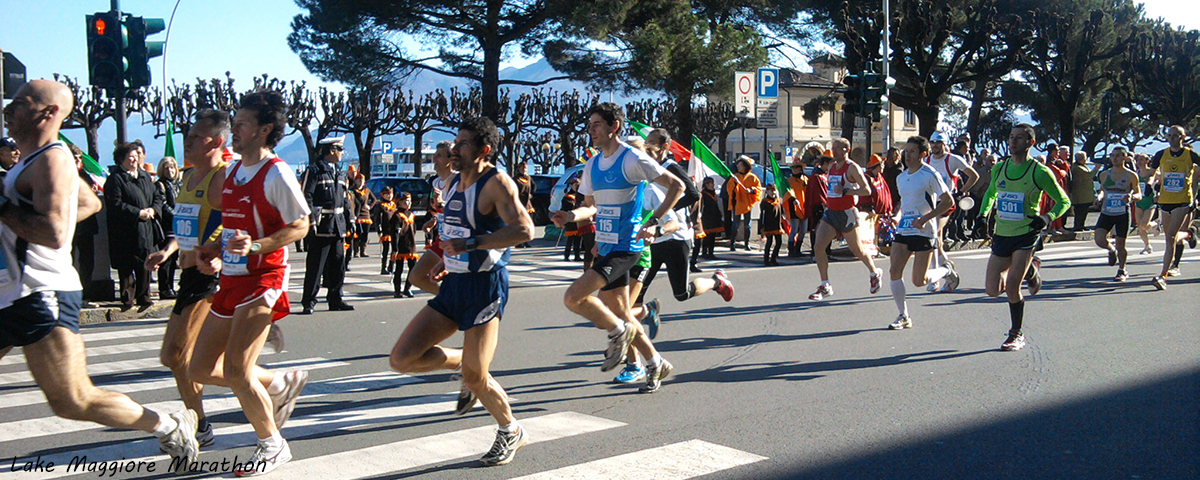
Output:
x=1016 y=188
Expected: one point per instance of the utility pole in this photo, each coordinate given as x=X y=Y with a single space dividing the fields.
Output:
x=887 y=73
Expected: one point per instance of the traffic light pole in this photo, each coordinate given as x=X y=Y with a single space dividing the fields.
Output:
x=887 y=73
x=119 y=93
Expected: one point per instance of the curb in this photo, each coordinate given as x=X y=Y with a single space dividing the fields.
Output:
x=107 y=313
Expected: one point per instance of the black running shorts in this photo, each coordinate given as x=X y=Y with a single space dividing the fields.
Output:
x=194 y=287
x=1005 y=246
x=915 y=243
x=1117 y=224
x=29 y=319
x=615 y=268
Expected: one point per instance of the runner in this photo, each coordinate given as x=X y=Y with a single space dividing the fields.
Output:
x=919 y=186
x=482 y=221
x=1016 y=189
x=40 y=292
x=845 y=181
x=419 y=274
x=613 y=192
x=1143 y=210
x=959 y=177
x=1118 y=186
x=197 y=222
x=262 y=212
x=1175 y=172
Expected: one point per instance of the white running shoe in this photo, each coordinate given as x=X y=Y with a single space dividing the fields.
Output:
x=901 y=323
x=285 y=402
x=264 y=461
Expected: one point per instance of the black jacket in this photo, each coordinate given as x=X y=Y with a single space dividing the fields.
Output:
x=130 y=239
x=325 y=189
x=168 y=189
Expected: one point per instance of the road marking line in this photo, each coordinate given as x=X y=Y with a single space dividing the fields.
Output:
x=119 y=334
x=213 y=404
x=419 y=452
x=678 y=461
x=96 y=351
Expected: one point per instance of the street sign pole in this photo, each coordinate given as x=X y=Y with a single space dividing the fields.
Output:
x=887 y=73
x=2 y=95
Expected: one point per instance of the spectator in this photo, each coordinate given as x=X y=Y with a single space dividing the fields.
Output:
x=84 y=244
x=167 y=187
x=746 y=191
x=892 y=166
x=1081 y=190
x=9 y=153
x=133 y=206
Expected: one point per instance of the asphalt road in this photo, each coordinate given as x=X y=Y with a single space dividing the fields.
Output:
x=770 y=385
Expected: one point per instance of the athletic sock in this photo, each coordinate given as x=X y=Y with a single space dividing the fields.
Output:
x=510 y=428
x=618 y=330
x=273 y=443
x=202 y=424
x=1017 y=312
x=165 y=426
x=277 y=384
x=898 y=296
x=936 y=274
x=655 y=361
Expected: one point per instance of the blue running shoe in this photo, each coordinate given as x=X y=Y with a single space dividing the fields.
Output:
x=652 y=320
x=632 y=373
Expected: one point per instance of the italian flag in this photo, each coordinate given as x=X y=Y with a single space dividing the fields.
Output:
x=708 y=165
x=681 y=154
x=780 y=183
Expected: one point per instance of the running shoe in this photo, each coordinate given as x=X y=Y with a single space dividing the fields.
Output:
x=1121 y=276
x=952 y=280
x=205 y=437
x=934 y=286
x=1173 y=272
x=1148 y=250
x=181 y=443
x=466 y=398
x=264 y=461
x=274 y=339
x=632 y=373
x=655 y=376
x=652 y=321
x=1112 y=257
x=875 y=280
x=901 y=323
x=618 y=345
x=1015 y=342
x=285 y=402
x=823 y=291
x=695 y=269
x=724 y=286
x=504 y=448
x=1034 y=280
x=1192 y=236
x=1159 y=283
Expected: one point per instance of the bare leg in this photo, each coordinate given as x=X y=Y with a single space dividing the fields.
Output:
x=247 y=334
x=997 y=272
x=178 y=344
x=617 y=301
x=579 y=299
x=479 y=346
x=207 y=365
x=825 y=234
x=417 y=349
x=1172 y=224
x=419 y=275
x=59 y=366
x=856 y=249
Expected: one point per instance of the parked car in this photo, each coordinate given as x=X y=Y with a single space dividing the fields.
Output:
x=543 y=186
x=418 y=187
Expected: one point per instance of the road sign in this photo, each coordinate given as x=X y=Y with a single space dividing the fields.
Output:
x=387 y=147
x=787 y=154
x=768 y=83
x=743 y=83
x=14 y=75
x=387 y=157
x=768 y=98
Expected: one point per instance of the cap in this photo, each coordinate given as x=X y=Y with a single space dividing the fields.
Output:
x=937 y=137
x=333 y=140
x=8 y=142
x=875 y=160
x=405 y=195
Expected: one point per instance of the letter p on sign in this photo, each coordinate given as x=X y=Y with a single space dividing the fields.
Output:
x=768 y=83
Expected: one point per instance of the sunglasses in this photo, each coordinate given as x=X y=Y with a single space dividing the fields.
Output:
x=339 y=148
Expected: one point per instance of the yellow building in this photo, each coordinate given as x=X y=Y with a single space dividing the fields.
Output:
x=797 y=88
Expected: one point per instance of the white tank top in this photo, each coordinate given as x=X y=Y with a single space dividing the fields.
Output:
x=36 y=268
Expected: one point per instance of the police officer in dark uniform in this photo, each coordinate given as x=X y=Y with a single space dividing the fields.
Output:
x=325 y=190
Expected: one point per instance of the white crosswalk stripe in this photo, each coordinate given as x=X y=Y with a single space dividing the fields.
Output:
x=315 y=419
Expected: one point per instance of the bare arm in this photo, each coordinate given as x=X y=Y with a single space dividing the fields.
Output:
x=674 y=188
x=972 y=177
x=240 y=244
x=49 y=183
x=89 y=203
x=586 y=210
x=855 y=176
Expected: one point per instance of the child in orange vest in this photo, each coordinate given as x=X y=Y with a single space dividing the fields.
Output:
x=404 y=245
x=771 y=225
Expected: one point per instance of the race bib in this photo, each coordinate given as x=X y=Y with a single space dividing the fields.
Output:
x=460 y=263
x=1010 y=206
x=232 y=264
x=1115 y=203
x=1142 y=187
x=835 y=186
x=906 y=222
x=187 y=226
x=608 y=220
x=1173 y=182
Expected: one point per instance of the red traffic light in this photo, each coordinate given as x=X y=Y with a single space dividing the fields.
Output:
x=101 y=26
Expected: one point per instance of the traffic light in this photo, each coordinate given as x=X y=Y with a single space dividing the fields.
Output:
x=875 y=89
x=140 y=51
x=106 y=50
x=853 y=94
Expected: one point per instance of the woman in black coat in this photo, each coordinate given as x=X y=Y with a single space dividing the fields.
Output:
x=133 y=208
x=167 y=186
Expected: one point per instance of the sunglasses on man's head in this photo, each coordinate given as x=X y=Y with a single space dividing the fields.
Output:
x=339 y=148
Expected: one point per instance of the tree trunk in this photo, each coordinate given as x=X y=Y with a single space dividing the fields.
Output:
x=683 y=115
x=92 y=148
x=568 y=148
x=1066 y=128
x=978 y=97
x=309 y=144
x=927 y=118
x=418 y=158
x=490 y=85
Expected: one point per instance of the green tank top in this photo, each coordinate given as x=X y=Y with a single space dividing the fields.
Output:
x=1147 y=200
x=1017 y=196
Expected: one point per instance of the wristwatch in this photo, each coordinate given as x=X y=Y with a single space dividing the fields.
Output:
x=658 y=231
x=652 y=221
x=471 y=244
x=255 y=247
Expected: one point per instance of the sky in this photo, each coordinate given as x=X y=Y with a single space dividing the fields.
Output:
x=209 y=37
